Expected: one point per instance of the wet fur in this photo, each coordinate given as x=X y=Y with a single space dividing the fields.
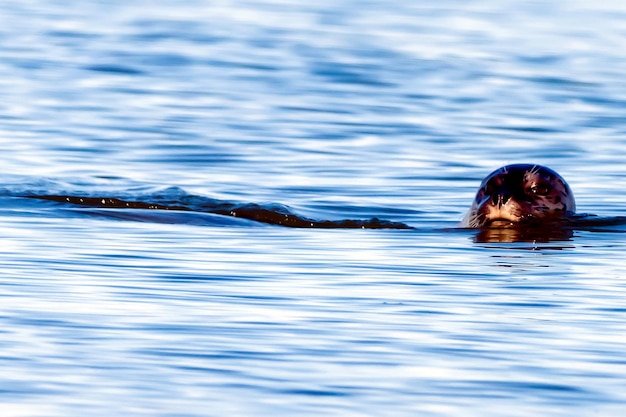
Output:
x=520 y=194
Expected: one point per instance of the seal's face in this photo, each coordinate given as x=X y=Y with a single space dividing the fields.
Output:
x=520 y=193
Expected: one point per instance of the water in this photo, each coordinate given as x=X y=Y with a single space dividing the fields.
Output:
x=336 y=110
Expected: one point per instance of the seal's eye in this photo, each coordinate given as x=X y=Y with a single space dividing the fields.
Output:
x=540 y=189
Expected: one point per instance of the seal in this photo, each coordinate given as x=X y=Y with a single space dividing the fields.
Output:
x=520 y=194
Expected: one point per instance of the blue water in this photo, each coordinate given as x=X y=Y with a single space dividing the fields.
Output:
x=335 y=110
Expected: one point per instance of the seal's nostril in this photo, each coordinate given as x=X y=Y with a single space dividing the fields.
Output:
x=500 y=199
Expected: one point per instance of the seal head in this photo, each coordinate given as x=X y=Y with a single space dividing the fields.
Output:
x=520 y=194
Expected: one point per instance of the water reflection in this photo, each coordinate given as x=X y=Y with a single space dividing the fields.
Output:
x=561 y=231
x=518 y=234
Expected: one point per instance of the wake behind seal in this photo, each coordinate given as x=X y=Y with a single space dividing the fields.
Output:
x=520 y=194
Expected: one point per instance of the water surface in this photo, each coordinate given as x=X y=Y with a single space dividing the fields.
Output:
x=335 y=110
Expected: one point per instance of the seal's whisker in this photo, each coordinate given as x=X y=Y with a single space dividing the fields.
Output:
x=534 y=170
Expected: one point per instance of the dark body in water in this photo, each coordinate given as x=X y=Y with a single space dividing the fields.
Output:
x=270 y=214
x=520 y=202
